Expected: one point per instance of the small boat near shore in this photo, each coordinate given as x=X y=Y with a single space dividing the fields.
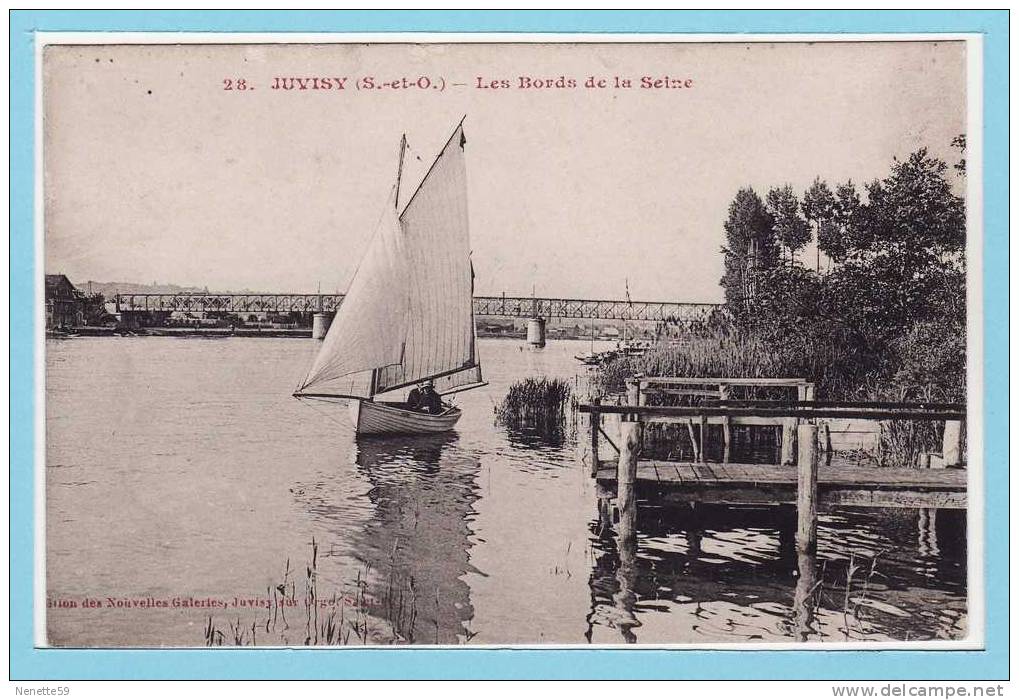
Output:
x=596 y=359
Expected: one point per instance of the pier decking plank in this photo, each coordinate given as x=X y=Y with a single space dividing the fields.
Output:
x=770 y=483
x=686 y=472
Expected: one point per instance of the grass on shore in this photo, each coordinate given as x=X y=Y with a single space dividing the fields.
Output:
x=734 y=353
x=339 y=620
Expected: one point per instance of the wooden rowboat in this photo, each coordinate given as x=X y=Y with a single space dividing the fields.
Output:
x=394 y=418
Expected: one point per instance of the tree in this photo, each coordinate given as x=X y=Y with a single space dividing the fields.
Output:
x=834 y=240
x=791 y=230
x=786 y=301
x=890 y=313
x=819 y=207
x=912 y=213
x=750 y=247
x=903 y=252
x=960 y=143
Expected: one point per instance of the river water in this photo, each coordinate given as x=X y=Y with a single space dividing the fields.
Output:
x=185 y=489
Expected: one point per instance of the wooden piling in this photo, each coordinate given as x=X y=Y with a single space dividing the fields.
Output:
x=806 y=490
x=788 y=441
x=951 y=444
x=806 y=530
x=626 y=479
x=595 y=418
x=633 y=392
x=704 y=438
x=626 y=505
x=879 y=443
x=604 y=513
x=723 y=395
x=803 y=600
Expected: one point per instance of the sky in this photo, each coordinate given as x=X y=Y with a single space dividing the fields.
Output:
x=154 y=172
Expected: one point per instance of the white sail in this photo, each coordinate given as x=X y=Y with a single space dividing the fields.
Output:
x=440 y=333
x=414 y=320
x=370 y=326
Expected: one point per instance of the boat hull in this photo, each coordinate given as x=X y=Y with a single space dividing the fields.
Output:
x=382 y=418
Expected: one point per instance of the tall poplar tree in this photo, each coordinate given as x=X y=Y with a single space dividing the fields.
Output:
x=819 y=207
x=791 y=229
x=750 y=247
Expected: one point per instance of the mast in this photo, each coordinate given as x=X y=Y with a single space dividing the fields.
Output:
x=373 y=383
x=399 y=171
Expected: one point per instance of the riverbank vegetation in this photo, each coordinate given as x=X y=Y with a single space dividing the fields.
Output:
x=340 y=619
x=878 y=312
x=536 y=404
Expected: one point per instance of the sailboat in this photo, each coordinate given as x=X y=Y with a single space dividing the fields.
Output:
x=407 y=318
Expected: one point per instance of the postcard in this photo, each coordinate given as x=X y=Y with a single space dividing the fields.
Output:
x=605 y=341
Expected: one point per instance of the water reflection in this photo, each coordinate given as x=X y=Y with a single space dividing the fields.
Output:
x=716 y=573
x=524 y=437
x=423 y=491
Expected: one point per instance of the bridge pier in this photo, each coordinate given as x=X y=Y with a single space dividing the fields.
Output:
x=320 y=323
x=536 y=332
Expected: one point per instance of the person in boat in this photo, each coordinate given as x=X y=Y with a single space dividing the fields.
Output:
x=425 y=399
x=430 y=401
x=414 y=399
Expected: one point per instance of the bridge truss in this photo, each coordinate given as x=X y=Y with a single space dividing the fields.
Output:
x=592 y=309
x=519 y=307
x=228 y=303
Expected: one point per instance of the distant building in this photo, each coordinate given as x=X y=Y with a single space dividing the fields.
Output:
x=65 y=305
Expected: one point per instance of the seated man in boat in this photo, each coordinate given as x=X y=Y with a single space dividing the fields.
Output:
x=414 y=399
x=430 y=401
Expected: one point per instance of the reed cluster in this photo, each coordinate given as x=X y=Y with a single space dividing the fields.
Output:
x=738 y=353
x=537 y=403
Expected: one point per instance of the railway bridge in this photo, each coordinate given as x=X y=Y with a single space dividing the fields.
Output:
x=518 y=307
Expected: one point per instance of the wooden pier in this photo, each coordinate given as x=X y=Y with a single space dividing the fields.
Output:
x=797 y=478
x=801 y=423
x=772 y=484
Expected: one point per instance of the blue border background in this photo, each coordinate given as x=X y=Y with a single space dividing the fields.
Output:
x=30 y=663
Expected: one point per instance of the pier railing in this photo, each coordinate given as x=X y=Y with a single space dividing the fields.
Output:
x=717 y=408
